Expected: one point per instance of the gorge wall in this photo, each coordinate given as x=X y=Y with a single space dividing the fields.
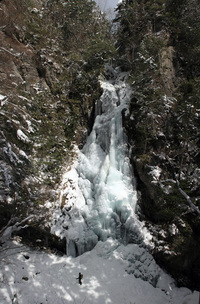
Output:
x=163 y=125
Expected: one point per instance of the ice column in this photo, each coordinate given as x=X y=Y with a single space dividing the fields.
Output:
x=105 y=177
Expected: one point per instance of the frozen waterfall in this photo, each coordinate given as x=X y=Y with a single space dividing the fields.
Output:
x=106 y=194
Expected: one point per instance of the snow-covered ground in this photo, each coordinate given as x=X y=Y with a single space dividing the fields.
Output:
x=33 y=277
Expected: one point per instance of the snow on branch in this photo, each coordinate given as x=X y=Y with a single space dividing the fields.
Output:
x=195 y=208
x=4 y=50
x=7 y=231
x=190 y=203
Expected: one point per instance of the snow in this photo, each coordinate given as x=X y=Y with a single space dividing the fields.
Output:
x=11 y=154
x=2 y=100
x=168 y=102
x=35 y=10
x=30 y=277
x=155 y=173
x=23 y=154
x=7 y=175
x=173 y=229
x=2 y=97
x=22 y=136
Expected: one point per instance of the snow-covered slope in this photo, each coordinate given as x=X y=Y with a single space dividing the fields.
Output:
x=111 y=274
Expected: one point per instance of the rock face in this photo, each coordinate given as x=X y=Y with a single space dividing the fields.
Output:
x=14 y=122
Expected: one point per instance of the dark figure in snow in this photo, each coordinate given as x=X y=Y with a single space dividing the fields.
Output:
x=80 y=276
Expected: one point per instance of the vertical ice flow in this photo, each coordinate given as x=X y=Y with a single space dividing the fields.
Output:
x=105 y=176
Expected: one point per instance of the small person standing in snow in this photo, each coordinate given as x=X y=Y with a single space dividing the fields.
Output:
x=80 y=276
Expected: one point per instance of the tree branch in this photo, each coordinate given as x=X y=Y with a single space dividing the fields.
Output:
x=7 y=231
